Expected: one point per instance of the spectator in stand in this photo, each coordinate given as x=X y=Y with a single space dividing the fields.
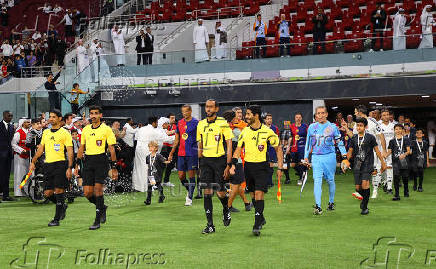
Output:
x=140 y=47
x=350 y=122
x=36 y=36
x=399 y=25
x=57 y=9
x=31 y=59
x=75 y=94
x=52 y=31
x=427 y=23
x=53 y=94
x=17 y=47
x=68 y=19
x=7 y=49
x=46 y=8
x=4 y=70
x=261 y=30
x=61 y=50
x=285 y=39
x=118 y=40
x=220 y=41
x=11 y=3
x=200 y=38
x=20 y=63
x=4 y=16
x=378 y=19
x=26 y=33
x=319 y=22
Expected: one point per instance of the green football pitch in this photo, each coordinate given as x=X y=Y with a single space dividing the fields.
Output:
x=394 y=235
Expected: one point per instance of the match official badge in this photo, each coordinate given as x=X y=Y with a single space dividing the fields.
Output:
x=99 y=143
x=261 y=147
x=57 y=147
x=217 y=138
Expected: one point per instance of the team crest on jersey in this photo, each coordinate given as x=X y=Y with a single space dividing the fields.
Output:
x=261 y=147
x=217 y=137
x=297 y=137
x=99 y=142
x=185 y=136
x=56 y=147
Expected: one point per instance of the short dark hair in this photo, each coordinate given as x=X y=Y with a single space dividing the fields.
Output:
x=213 y=100
x=298 y=113
x=399 y=125
x=96 y=108
x=268 y=115
x=6 y=112
x=57 y=112
x=362 y=120
x=362 y=109
x=152 y=119
x=420 y=129
x=75 y=84
x=187 y=106
x=406 y=123
x=129 y=119
x=66 y=116
x=258 y=15
x=385 y=110
x=171 y=115
x=229 y=115
x=74 y=131
x=255 y=109
x=35 y=120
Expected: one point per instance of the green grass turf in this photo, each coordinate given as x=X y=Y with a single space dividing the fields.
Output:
x=292 y=238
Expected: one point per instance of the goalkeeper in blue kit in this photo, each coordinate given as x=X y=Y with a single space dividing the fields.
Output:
x=322 y=139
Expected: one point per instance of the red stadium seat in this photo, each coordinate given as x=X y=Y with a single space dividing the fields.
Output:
x=300 y=48
x=355 y=45
x=413 y=39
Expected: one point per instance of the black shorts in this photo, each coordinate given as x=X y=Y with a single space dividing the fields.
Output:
x=238 y=177
x=401 y=172
x=211 y=173
x=95 y=169
x=55 y=175
x=256 y=175
x=359 y=176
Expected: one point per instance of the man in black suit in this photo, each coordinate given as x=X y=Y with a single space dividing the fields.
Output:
x=144 y=46
x=53 y=94
x=6 y=153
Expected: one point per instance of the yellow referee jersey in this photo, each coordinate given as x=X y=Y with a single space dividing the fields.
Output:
x=95 y=139
x=54 y=142
x=256 y=141
x=212 y=134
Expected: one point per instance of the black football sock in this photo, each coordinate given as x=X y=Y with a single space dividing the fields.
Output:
x=365 y=193
x=185 y=183
x=91 y=199
x=397 y=186
x=253 y=201
x=208 y=208
x=52 y=198
x=99 y=205
x=60 y=200
x=259 y=212
x=225 y=202
x=421 y=179
x=406 y=185
x=149 y=192
x=359 y=191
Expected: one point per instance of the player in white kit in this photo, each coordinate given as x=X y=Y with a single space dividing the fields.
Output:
x=374 y=129
x=387 y=128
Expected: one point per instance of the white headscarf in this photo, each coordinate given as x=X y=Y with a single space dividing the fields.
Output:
x=162 y=121
x=21 y=121
x=425 y=14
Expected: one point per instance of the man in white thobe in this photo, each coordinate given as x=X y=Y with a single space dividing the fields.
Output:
x=118 y=40
x=92 y=53
x=200 y=40
x=427 y=23
x=162 y=126
x=399 y=39
x=21 y=155
x=143 y=136
x=82 y=57
x=220 y=41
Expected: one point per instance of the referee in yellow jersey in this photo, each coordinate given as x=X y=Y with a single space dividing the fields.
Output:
x=95 y=138
x=53 y=143
x=255 y=140
x=214 y=163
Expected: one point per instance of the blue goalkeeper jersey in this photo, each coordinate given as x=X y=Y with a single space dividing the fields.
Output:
x=322 y=139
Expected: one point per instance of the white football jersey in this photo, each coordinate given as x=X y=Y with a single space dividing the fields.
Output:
x=373 y=128
x=388 y=131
